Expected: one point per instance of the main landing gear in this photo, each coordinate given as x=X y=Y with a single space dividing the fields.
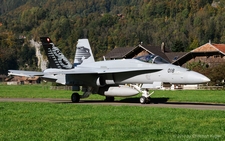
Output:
x=145 y=98
x=75 y=97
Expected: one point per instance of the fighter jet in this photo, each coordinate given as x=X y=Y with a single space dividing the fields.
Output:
x=110 y=78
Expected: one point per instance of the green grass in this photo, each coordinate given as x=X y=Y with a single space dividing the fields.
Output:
x=51 y=121
x=48 y=121
x=211 y=96
x=32 y=91
x=43 y=91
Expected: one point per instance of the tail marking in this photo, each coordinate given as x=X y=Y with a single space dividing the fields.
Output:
x=55 y=56
x=83 y=53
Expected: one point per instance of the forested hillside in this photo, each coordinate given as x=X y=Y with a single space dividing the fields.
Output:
x=181 y=25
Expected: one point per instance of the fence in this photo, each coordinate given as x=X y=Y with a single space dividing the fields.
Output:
x=211 y=87
x=61 y=88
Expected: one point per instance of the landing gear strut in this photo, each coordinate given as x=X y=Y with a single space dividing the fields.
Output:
x=145 y=98
x=75 y=97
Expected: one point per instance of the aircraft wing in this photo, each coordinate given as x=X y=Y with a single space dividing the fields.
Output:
x=141 y=70
x=25 y=73
x=109 y=71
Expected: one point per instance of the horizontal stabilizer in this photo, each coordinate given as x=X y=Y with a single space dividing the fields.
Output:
x=24 y=73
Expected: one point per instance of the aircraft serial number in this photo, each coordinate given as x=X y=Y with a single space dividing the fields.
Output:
x=170 y=70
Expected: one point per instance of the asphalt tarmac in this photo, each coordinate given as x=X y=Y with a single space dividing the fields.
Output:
x=127 y=102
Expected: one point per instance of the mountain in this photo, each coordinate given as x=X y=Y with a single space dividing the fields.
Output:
x=181 y=25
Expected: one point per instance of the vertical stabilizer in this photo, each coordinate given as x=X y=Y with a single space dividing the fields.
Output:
x=55 y=57
x=83 y=53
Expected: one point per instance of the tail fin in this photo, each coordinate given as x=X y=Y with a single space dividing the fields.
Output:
x=83 y=53
x=55 y=57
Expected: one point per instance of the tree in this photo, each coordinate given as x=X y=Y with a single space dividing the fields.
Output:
x=182 y=25
x=215 y=73
x=178 y=46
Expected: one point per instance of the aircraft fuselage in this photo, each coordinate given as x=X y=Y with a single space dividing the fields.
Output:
x=167 y=73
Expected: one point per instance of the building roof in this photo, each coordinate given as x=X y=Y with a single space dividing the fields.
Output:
x=211 y=48
x=177 y=58
x=119 y=52
x=220 y=47
x=173 y=56
x=207 y=49
x=129 y=52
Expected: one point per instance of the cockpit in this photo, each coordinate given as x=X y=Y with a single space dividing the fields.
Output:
x=154 y=59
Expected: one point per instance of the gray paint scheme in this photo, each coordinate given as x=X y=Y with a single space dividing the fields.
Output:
x=110 y=77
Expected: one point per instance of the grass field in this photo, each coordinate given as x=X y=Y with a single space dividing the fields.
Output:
x=48 y=121
x=43 y=91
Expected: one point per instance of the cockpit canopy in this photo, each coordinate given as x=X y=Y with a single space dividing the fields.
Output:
x=154 y=59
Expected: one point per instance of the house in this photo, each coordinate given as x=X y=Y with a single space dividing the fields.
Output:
x=131 y=52
x=20 y=80
x=210 y=54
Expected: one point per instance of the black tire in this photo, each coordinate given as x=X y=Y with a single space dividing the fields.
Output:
x=148 y=100
x=143 y=100
x=75 y=97
x=109 y=98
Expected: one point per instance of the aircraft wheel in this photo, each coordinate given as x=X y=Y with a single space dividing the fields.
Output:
x=149 y=100
x=109 y=98
x=75 y=97
x=143 y=100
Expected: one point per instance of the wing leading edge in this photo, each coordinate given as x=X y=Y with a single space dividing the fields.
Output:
x=25 y=73
x=108 y=71
x=81 y=71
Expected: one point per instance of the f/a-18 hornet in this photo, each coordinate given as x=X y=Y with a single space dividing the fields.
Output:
x=110 y=78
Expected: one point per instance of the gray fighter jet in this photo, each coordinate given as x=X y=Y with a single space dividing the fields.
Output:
x=110 y=78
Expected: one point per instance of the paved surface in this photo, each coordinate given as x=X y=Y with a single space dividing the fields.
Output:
x=200 y=106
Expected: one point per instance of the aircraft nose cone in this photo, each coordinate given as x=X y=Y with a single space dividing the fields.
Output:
x=198 y=78
x=205 y=79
